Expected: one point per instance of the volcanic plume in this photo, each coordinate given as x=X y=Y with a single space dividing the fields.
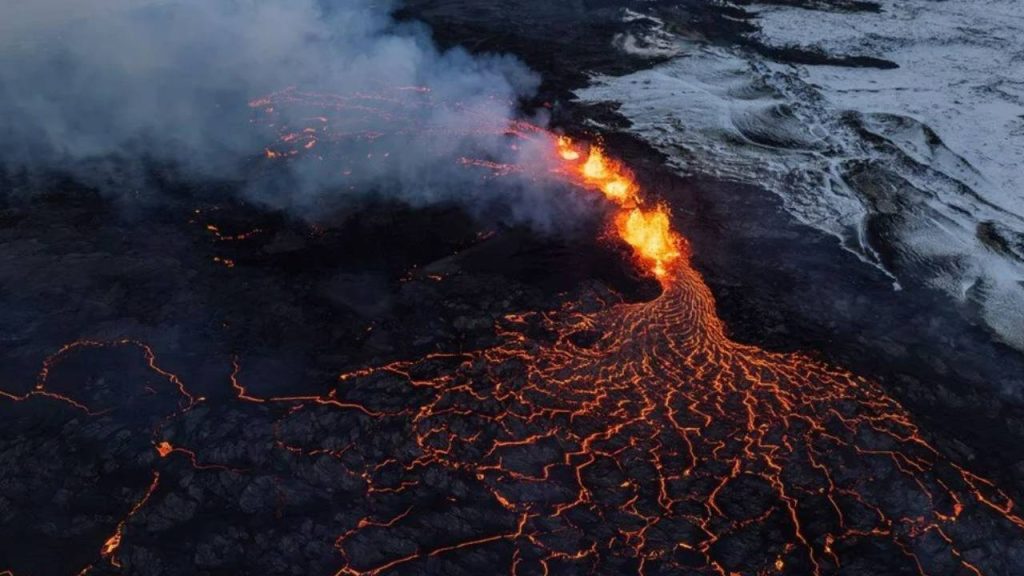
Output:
x=125 y=97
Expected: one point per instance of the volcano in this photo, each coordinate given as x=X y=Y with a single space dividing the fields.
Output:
x=454 y=327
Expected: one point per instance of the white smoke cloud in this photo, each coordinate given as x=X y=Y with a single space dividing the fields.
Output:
x=103 y=88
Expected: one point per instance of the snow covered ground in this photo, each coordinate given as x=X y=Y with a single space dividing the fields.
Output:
x=919 y=170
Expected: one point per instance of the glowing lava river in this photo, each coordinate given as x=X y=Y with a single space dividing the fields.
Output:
x=601 y=438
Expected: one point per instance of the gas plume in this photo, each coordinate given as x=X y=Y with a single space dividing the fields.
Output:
x=109 y=91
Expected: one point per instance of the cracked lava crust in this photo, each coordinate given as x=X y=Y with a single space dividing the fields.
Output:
x=605 y=437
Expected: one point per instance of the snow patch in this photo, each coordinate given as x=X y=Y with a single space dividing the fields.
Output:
x=933 y=152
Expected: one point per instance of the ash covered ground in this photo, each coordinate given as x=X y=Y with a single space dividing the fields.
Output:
x=210 y=383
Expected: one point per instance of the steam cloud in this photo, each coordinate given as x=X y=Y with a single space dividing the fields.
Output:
x=104 y=89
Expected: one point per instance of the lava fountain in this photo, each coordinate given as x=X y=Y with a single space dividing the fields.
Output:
x=647 y=230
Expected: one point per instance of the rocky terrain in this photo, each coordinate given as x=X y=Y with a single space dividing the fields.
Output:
x=205 y=385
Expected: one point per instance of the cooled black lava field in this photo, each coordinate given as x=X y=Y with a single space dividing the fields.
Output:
x=348 y=288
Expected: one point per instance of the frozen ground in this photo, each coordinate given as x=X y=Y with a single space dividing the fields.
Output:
x=916 y=168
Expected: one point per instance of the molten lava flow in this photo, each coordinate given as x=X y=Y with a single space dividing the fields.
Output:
x=683 y=441
x=601 y=438
x=656 y=425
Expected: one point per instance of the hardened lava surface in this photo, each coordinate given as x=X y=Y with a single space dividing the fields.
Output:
x=600 y=435
x=601 y=438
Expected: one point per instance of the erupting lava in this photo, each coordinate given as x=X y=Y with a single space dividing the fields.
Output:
x=646 y=230
x=602 y=438
x=375 y=119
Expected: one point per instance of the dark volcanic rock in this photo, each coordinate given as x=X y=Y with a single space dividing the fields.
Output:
x=208 y=387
